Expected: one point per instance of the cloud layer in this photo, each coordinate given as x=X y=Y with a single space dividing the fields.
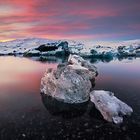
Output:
x=77 y=19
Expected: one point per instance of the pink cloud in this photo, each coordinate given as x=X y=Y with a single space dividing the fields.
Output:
x=68 y=19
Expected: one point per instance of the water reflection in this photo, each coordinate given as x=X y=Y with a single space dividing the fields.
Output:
x=96 y=60
x=69 y=111
x=108 y=60
x=64 y=110
x=14 y=69
x=53 y=59
x=26 y=115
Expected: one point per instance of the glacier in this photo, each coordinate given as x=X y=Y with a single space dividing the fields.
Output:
x=39 y=47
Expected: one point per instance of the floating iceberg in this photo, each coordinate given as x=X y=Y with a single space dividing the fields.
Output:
x=111 y=108
x=128 y=51
x=71 y=82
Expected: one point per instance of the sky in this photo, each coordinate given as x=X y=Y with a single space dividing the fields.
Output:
x=103 y=20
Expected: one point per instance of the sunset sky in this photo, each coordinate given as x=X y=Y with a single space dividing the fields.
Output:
x=70 y=19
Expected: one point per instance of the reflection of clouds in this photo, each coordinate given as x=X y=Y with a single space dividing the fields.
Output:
x=118 y=75
x=15 y=70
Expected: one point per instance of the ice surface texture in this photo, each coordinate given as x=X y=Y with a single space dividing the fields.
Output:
x=111 y=108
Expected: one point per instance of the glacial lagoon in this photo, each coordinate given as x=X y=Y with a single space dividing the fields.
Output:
x=26 y=114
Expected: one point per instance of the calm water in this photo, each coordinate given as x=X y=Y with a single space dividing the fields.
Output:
x=24 y=114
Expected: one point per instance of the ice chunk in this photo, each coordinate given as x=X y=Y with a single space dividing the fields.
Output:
x=70 y=83
x=110 y=106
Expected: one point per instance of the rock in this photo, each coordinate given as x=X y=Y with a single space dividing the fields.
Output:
x=111 y=108
x=70 y=82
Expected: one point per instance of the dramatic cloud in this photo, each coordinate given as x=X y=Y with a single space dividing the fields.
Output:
x=67 y=19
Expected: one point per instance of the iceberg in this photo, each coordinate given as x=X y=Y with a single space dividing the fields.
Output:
x=30 y=47
x=131 y=50
x=40 y=47
x=71 y=82
x=111 y=108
